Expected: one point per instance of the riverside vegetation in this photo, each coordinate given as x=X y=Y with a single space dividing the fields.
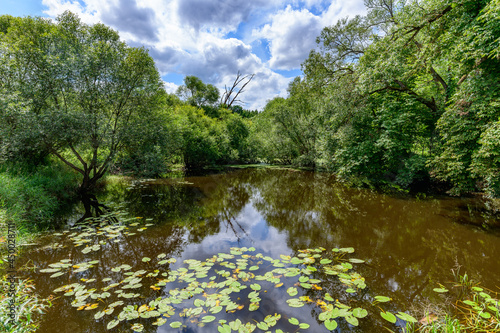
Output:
x=406 y=96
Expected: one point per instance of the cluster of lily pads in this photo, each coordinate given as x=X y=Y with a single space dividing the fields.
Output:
x=199 y=291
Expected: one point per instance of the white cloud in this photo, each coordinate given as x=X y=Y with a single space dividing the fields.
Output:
x=188 y=37
x=340 y=9
x=170 y=87
x=292 y=34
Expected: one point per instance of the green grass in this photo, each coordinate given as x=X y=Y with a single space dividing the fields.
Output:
x=27 y=306
x=30 y=196
x=475 y=309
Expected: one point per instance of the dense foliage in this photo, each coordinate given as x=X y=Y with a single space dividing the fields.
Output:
x=78 y=93
x=405 y=94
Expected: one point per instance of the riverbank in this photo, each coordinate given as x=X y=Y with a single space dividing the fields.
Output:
x=30 y=197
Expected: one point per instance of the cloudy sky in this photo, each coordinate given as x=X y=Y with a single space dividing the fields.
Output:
x=212 y=39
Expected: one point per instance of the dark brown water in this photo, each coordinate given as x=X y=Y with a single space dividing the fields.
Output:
x=409 y=245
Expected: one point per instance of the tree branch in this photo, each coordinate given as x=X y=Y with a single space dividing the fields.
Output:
x=68 y=163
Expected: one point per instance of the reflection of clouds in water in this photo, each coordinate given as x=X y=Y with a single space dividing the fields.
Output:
x=268 y=241
x=393 y=284
x=249 y=216
x=252 y=230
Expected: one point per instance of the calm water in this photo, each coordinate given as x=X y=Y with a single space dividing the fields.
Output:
x=409 y=245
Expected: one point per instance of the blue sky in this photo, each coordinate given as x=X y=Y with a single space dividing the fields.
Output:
x=212 y=39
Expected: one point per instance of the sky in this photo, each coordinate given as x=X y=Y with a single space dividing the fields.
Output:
x=211 y=39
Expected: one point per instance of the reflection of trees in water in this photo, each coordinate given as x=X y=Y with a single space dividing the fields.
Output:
x=409 y=244
x=225 y=201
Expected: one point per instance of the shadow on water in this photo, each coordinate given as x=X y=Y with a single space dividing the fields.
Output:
x=409 y=245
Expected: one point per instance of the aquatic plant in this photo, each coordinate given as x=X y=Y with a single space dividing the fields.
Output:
x=26 y=306
x=207 y=292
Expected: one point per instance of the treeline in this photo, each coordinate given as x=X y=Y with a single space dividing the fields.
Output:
x=407 y=94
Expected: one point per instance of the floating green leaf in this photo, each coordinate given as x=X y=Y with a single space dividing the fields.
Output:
x=255 y=286
x=382 y=299
x=406 y=317
x=359 y=313
x=292 y=291
x=304 y=326
x=208 y=319
x=388 y=316
x=356 y=261
x=330 y=324
x=352 y=320
x=263 y=326
x=175 y=324
x=137 y=327
x=112 y=324
x=56 y=274
x=440 y=290
x=224 y=329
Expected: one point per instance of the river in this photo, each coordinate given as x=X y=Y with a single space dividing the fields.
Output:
x=255 y=221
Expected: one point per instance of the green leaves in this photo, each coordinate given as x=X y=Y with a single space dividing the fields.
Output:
x=406 y=317
x=388 y=316
x=440 y=290
x=112 y=324
x=208 y=319
x=382 y=299
x=359 y=313
x=292 y=291
x=206 y=288
x=330 y=324
x=81 y=122
x=224 y=329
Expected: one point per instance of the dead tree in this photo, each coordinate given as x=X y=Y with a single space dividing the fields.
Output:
x=230 y=96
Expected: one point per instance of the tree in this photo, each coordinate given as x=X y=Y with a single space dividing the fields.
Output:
x=78 y=89
x=197 y=93
x=410 y=91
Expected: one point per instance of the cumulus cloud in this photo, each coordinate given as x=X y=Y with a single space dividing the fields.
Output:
x=190 y=37
x=170 y=87
x=292 y=34
x=219 y=58
x=224 y=15
x=126 y=16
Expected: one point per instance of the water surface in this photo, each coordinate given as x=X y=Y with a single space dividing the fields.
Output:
x=410 y=245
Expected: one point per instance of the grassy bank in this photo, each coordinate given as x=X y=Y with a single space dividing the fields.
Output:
x=30 y=196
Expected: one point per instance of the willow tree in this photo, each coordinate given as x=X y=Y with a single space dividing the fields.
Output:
x=73 y=90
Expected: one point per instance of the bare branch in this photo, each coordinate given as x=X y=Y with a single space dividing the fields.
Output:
x=231 y=96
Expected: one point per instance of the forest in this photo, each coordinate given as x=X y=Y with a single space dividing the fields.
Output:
x=406 y=97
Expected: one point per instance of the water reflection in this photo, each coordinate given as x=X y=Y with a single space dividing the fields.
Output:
x=410 y=245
